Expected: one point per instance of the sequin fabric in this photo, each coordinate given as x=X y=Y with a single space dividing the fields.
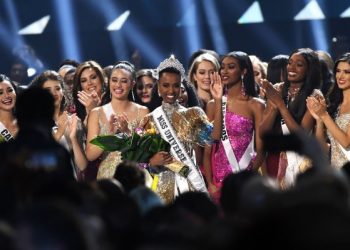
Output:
x=110 y=160
x=338 y=158
x=240 y=130
x=166 y=178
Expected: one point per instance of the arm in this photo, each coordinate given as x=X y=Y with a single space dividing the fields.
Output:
x=92 y=151
x=90 y=101
x=268 y=118
x=307 y=122
x=275 y=97
x=319 y=107
x=215 y=111
x=311 y=104
x=62 y=123
x=78 y=152
x=258 y=110
x=207 y=169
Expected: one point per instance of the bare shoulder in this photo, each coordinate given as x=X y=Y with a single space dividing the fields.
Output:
x=257 y=104
x=142 y=109
x=95 y=111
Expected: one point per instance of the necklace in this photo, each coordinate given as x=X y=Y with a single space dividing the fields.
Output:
x=292 y=93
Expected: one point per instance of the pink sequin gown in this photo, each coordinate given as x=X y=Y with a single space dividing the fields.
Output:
x=240 y=130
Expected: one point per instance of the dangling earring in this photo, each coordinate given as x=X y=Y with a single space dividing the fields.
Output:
x=242 y=86
x=159 y=94
x=132 y=95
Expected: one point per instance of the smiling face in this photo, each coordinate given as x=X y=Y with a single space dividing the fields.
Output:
x=296 y=68
x=230 y=71
x=7 y=96
x=342 y=75
x=169 y=86
x=90 y=81
x=120 y=84
x=54 y=87
x=202 y=75
x=144 y=88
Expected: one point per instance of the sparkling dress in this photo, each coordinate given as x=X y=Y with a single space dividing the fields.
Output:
x=240 y=130
x=110 y=160
x=165 y=187
x=338 y=158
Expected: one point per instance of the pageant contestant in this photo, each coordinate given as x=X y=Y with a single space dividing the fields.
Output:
x=183 y=128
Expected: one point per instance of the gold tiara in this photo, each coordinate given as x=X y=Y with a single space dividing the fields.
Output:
x=171 y=62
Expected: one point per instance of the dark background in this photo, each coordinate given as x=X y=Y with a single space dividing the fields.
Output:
x=152 y=29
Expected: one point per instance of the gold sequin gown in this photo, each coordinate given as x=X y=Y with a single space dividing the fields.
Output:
x=110 y=160
x=338 y=158
x=187 y=133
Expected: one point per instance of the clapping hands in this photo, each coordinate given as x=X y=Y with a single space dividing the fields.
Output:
x=89 y=100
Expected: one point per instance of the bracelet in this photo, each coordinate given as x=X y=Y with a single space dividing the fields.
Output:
x=143 y=165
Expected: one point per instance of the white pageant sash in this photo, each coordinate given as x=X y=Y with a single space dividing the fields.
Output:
x=248 y=153
x=294 y=161
x=107 y=109
x=177 y=150
x=5 y=133
x=345 y=152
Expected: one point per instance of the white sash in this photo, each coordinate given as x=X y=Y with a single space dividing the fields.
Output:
x=248 y=153
x=294 y=162
x=107 y=109
x=345 y=152
x=5 y=133
x=178 y=151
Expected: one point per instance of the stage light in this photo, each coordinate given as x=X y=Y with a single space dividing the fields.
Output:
x=36 y=27
x=346 y=13
x=118 y=23
x=252 y=15
x=311 y=11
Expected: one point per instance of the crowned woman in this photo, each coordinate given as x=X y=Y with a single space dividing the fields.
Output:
x=184 y=129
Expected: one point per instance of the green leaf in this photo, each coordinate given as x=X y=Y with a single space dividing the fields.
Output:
x=109 y=143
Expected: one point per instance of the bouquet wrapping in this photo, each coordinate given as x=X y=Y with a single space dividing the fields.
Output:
x=139 y=147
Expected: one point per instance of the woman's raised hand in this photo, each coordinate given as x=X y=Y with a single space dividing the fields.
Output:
x=73 y=126
x=271 y=93
x=119 y=124
x=216 y=86
x=62 y=123
x=89 y=100
x=317 y=107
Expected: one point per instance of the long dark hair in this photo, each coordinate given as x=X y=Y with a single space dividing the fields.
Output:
x=335 y=97
x=312 y=81
x=45 y=76
x=81 y=111
x=277 y=68
x=245 y=63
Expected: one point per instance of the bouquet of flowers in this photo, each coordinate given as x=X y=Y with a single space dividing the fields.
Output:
x=139 y=147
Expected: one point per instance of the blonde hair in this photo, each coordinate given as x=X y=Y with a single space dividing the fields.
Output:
x=203 y=57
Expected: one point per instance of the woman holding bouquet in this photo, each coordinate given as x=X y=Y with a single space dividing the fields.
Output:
x=120 y=115
x=183 y=129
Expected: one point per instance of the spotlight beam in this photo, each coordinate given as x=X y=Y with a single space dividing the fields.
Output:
x=66 y=25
